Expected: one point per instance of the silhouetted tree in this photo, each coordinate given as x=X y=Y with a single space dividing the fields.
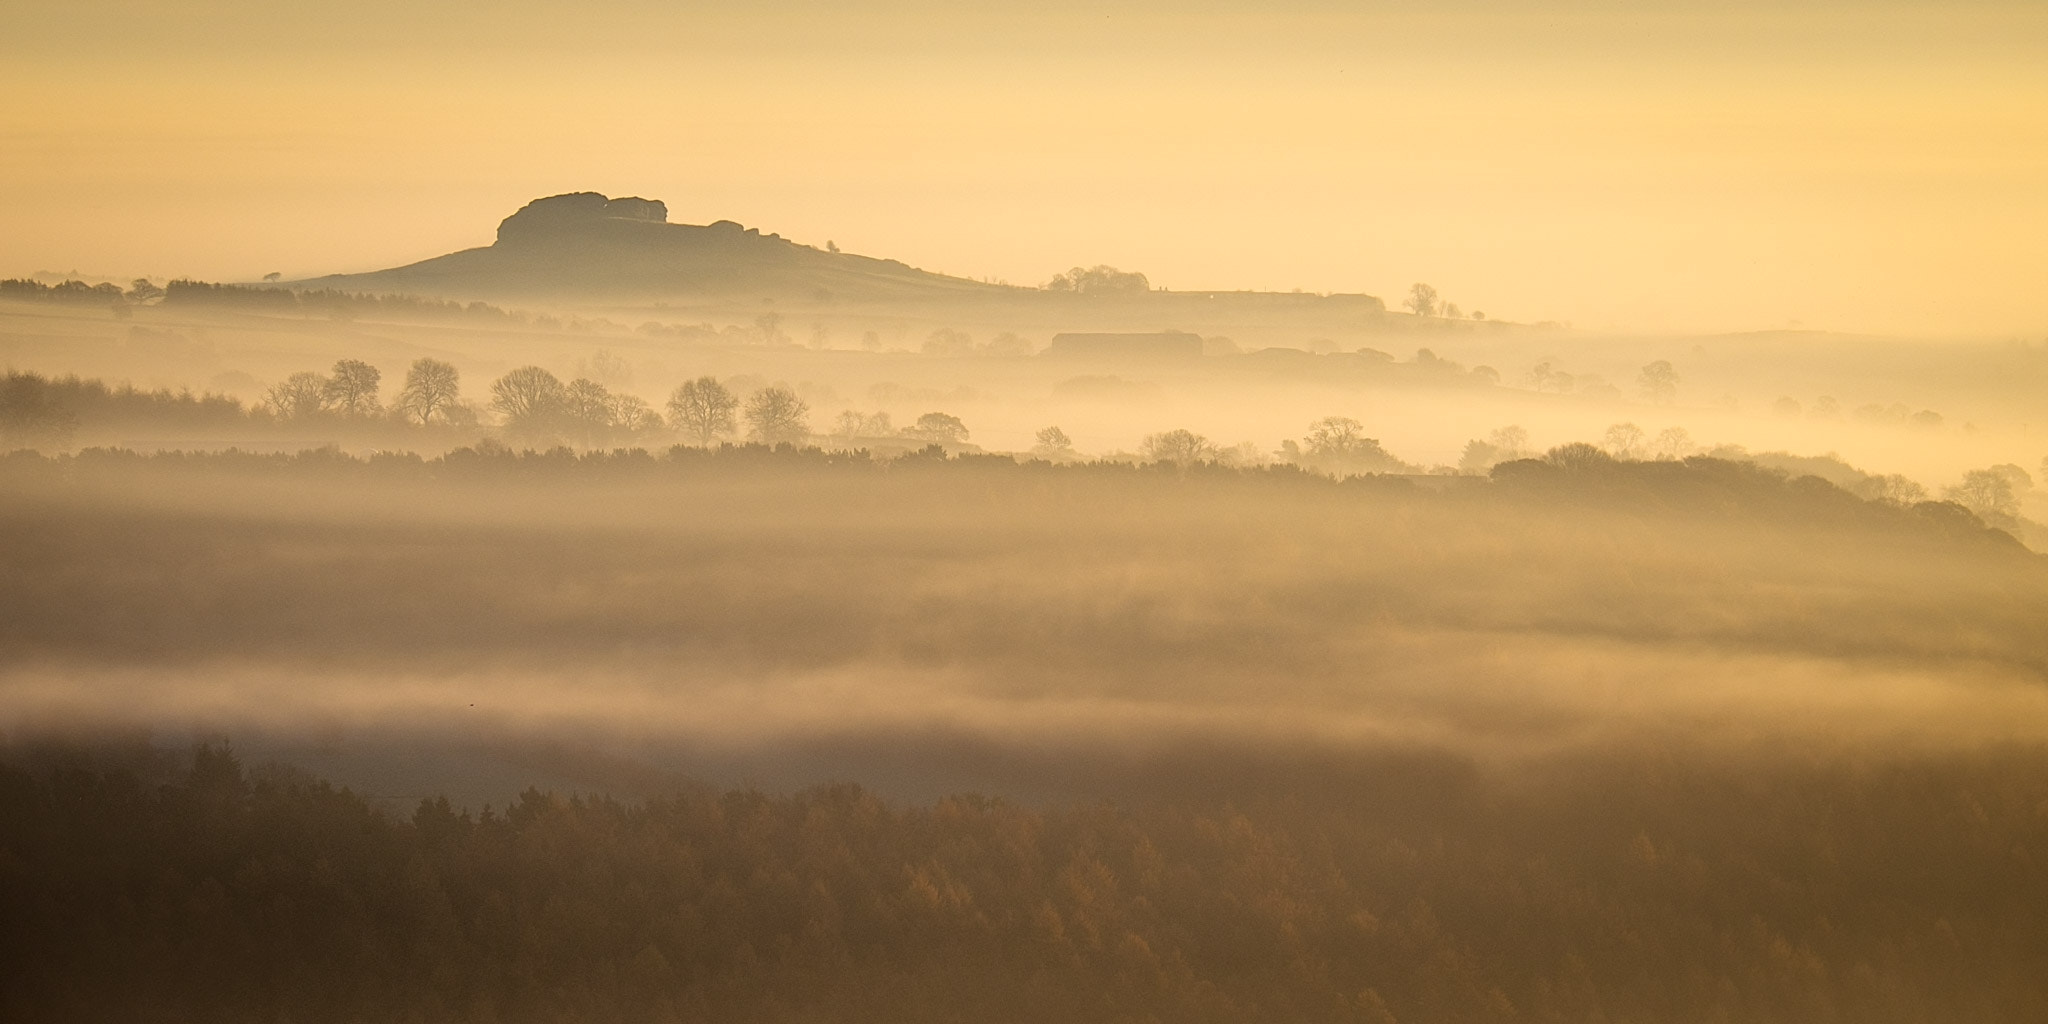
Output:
x=530 y=398
x=1338 y=445
x=1503 y=445
x=298 y=396
x=1672 y=443
x=1623 y=441
x=1543 y=377
x=1180 y=447
x=631 y=416
x=352 y=388
x=1421 y=299
x=775 y=415
x=1894 y=490
x=1658 y=381
x=1990 y=494
x=32 y=415
x=1578 y=456
x=1053 y=443
x=938 y=428
x=1098 y=280
x=432 y=388
x=587 y=410
x=703 y=410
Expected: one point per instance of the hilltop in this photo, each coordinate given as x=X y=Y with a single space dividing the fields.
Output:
x=586 y=246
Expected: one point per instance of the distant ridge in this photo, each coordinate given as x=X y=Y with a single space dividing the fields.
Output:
x=587 y=246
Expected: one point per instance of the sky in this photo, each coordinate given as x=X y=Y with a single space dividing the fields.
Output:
x=1696 y=165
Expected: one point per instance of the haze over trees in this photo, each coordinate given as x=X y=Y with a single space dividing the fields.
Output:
x=1180 y=447
x=1659 y=382
x=938 y=428
x=1052 y=443
x=1366 y=833
x=351 y=388
x=1098 y=280
x=1337 y=445
x=1672 y=893
x=1421 y=300
x=775 y=415
x=530 y=398
x=703 y=410
x=299 y=396
x=432 y=388
x=1585 y=696
x=1993 y=494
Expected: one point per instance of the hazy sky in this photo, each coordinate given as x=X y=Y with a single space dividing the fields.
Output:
x=1700 y=164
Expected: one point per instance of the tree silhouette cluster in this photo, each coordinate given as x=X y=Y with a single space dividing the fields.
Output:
x=1644 y=890
x=337 y=304
x=1099 y=280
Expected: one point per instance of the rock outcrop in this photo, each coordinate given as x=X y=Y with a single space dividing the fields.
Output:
x=577 y=213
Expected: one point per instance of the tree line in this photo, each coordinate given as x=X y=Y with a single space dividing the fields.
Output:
x=535 y=408
x=1626 y=888
x=1577 y=472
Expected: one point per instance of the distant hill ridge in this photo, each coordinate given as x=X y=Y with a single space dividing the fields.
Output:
x=587 y=246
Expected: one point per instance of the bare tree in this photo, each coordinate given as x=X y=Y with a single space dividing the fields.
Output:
x=529 y=398
x=606 y=368
x=1180 y=447
x=632 y=416
x=1990 y=494
x=1623 y=441
x=587 y=411
x=1672 y=443
x=298 y=396
x=1053 y=443
x=1337 y=445
x=775 y=415
x=1512 y=441
x=703 y=410
x=1421 y=299
x=1893 y=489
x=431 y=387
x=1503 y=445
x=352 y=387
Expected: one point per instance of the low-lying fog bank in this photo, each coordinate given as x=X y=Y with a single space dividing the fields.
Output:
x=933 y=625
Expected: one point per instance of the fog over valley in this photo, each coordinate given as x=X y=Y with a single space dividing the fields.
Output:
x=905 y=513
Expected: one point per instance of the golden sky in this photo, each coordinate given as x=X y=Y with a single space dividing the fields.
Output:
x=1695 y=165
